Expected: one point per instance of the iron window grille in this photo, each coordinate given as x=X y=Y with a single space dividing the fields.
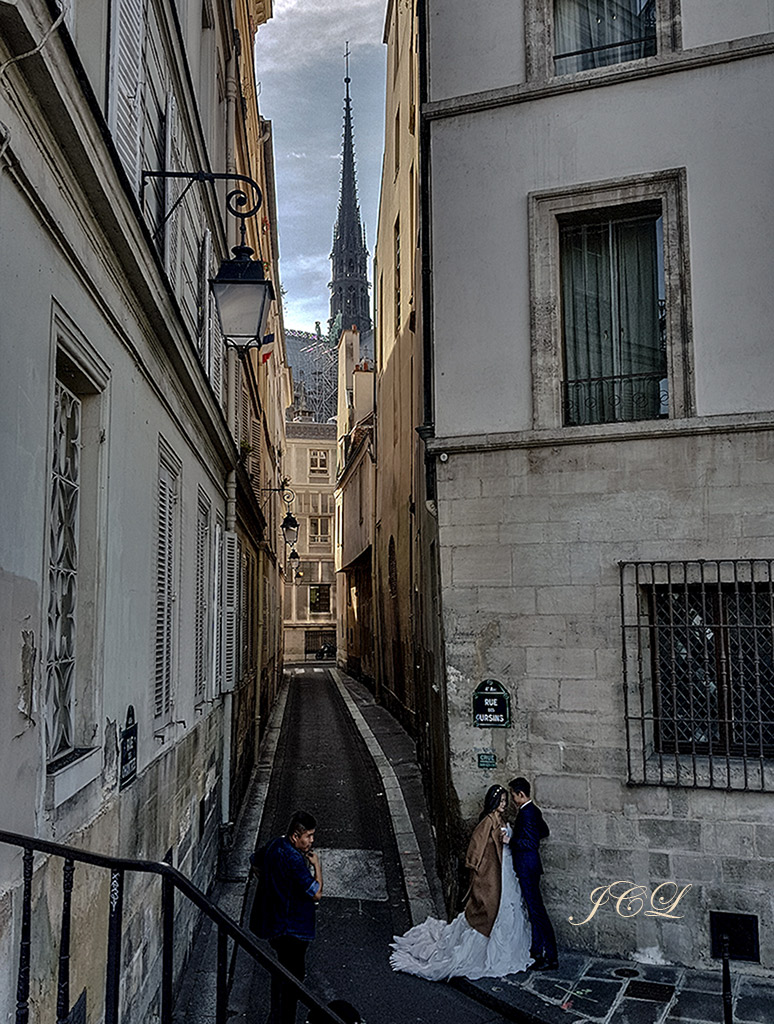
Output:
x=63 y=574
x=319 y=598
x=698 y=661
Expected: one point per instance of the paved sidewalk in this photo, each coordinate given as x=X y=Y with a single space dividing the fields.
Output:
x=585 y=988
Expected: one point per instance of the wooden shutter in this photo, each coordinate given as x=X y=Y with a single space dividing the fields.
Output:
x=201 y=598
x=255 y=456
x=172 y=189
x=217 y=606
x=125 y=101
x=205 y=313
x=231 y=559
x=165 y=558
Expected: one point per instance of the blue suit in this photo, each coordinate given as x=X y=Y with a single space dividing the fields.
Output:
x=528 y=830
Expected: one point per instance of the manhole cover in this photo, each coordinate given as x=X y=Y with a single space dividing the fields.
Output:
x=626 y=972
x=650 y=990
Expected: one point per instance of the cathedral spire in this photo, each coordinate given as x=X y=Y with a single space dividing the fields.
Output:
x=349 y=256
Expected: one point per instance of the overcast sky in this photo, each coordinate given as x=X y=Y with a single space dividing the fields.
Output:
x=299 y=61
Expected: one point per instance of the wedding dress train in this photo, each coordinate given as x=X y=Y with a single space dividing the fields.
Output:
x=436 y=950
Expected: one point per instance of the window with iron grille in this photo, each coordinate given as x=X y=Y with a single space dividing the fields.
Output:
x=613 y=318
x=320 y=598
x=699 y=672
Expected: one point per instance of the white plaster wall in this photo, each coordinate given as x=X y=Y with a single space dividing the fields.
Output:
x=716 y=121
x=487 y=54
x=716 y=21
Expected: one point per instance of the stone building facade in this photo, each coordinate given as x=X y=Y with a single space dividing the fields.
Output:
x=603 y=435
x=408 y=651
x=310 y=589
x=140 y=577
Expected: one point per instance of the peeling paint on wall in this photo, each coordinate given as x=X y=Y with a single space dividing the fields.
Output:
x=29 y=656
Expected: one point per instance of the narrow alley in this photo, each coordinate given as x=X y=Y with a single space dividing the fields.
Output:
x=323 y=735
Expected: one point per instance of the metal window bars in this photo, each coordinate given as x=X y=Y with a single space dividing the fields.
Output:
x=698 y=672
x=173 y=885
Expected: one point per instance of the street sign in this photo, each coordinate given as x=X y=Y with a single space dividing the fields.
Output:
x=487 y=760
x=491 y=705
x=128 y=770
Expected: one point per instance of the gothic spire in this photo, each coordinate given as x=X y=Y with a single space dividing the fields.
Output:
x=349 y=256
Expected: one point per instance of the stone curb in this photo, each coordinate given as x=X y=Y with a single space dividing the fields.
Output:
x=421 y=903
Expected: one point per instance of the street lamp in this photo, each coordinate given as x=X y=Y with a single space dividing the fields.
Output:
x=243 y=296
x=289 y=527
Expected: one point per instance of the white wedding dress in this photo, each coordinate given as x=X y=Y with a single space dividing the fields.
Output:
x=436 y=950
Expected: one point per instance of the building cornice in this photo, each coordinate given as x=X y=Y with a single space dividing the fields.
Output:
x=597 y=78
x=603 y=433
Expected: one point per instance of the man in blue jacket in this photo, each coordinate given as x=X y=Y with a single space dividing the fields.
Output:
x=528 y=830
x=289 y=889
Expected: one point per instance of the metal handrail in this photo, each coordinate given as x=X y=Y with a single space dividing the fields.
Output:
x=171 y=879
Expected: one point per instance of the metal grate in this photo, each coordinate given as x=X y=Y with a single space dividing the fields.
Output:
x=698 y=659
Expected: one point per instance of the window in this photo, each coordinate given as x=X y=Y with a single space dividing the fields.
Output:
x=613 y=319
x=72 y=672
x=320 y=597
x=593 y=33
x=318 y=462
x=699 y=658
x=319 y=530
x=610 y=293
x=568 y=36
x=167 y=520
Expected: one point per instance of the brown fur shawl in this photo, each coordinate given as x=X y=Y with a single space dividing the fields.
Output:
x=484 y=858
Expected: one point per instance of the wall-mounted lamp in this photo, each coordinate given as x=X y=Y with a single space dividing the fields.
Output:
x=243 y=296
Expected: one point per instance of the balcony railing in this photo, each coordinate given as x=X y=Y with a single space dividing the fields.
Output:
x=620 y=398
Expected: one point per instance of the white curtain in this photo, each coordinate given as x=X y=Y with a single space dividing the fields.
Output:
x=610 y=31
x=614 y=360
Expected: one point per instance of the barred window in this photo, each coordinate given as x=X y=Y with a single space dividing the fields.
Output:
x=320 y=598
x=699 y=667
x=63 y=573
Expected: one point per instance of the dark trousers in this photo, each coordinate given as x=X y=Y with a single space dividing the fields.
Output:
x=291 y=953
x=543 y=938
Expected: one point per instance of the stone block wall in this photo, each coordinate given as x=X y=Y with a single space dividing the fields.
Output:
x=531 y=539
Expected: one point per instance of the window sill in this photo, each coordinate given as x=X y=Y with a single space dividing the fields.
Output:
x=63 y=783
x=701 y=771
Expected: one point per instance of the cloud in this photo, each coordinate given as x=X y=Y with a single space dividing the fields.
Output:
x=301 y=33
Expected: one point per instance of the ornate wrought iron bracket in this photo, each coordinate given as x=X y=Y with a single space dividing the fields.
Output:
x=235 y=199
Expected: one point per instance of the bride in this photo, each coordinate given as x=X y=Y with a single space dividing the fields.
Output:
x=491 y=937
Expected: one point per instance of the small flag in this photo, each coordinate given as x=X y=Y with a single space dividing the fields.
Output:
x=266 y=348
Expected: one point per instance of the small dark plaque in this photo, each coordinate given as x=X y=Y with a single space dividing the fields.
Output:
x=128 y=770
x=491 y=705
x=487 y=760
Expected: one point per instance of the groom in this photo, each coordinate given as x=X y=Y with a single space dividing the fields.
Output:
x=528 y=830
